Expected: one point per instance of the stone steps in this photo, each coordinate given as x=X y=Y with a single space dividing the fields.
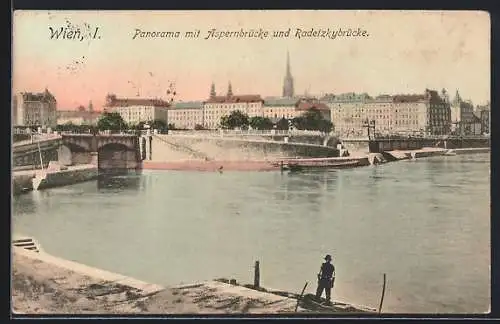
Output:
x=26 y=243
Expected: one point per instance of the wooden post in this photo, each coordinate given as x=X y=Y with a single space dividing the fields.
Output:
x=382 y=297
x=256 y=277
x=300 y=297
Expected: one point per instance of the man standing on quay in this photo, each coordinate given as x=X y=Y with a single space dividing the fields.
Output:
x=326 y=278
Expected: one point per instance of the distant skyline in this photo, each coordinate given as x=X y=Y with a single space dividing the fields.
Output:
x=404 y=52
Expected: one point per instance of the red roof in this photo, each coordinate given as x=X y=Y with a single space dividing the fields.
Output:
x=125 y=102
x=304 y=105
x=233 y=99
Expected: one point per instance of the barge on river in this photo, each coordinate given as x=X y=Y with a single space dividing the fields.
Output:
x=297 y=165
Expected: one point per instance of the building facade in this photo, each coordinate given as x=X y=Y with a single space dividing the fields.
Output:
x=34 y=109
x=305 y=104
x=186 y=115
x=135 y=110
x=427 y=113
x=80 y=116
x=485 y=118
x=217 y=106
x=484 y=114
x=276 y=108
x=462 y=116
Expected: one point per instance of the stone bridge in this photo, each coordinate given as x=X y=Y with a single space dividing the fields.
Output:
x=113 y=151
x=390 y=144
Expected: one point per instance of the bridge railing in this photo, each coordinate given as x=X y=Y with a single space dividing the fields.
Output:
x=37 y=138
x=249 y=132
x=426 y=137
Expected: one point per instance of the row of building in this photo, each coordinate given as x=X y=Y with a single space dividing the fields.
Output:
x=427 y=113
x=40 y=109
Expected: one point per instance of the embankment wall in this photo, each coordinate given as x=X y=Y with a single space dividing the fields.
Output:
x=175 y=148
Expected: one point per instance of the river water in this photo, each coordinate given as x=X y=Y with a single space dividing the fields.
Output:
x=425 y=223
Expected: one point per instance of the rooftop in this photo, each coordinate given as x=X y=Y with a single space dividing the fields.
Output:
x=113 y=101
x=187 y=105
x=280 y=101
x=235 y=99
x=40 y=96
x=306 y=105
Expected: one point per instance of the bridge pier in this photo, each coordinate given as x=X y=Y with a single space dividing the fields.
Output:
x=146 y=147
x=94 y=158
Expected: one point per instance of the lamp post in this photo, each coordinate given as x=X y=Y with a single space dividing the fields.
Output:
x=369 y=124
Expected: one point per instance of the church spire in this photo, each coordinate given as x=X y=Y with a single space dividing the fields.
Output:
x=229 y=90
x=288 y=81
x=212 y=90
x=457 y=98
x=288 y=71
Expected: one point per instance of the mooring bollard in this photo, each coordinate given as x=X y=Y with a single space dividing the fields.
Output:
x=256 y=277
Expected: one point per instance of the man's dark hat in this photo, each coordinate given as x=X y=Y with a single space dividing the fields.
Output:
x=328 y=257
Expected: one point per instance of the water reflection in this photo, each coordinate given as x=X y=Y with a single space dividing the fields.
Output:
x=123 y=181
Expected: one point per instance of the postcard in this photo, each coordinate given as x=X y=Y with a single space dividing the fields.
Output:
x=251 y=162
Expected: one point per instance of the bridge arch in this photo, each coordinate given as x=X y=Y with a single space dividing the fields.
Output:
x=74 y=147
x=116 y=156
x=115 y=142
x=77 y=143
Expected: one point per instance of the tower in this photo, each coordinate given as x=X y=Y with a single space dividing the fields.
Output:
x=457 y=99
x=212 y=91
x=288 y=81
x=229 y=90
x=91 y=107
x=445 y=96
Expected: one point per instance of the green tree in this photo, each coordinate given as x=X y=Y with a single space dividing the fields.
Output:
x=139 y=125
x=111 y=121
x=224 y=122
x=236 y=119
x=282 y=124
x=312 y=120
x=261 y=123
x=158 y=124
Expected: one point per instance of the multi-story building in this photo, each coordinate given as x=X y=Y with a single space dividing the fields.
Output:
x=80 y=116
x=34 y=109
x=217 y=106
x=484 y=114
x=305 y=104
x=276 y=108
x=350 y=110
x=485 y=118
x=135 y=110
x=426 y=113
x=186 y=115
x=462 y=116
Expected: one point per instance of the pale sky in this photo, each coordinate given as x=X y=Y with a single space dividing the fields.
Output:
x=404 y=52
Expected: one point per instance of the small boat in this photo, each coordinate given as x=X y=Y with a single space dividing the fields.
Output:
x=301 y=166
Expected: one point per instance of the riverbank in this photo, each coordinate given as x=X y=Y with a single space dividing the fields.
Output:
x=22 y=181
x=274 y=165
x=211 y=166
x=43 y=284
